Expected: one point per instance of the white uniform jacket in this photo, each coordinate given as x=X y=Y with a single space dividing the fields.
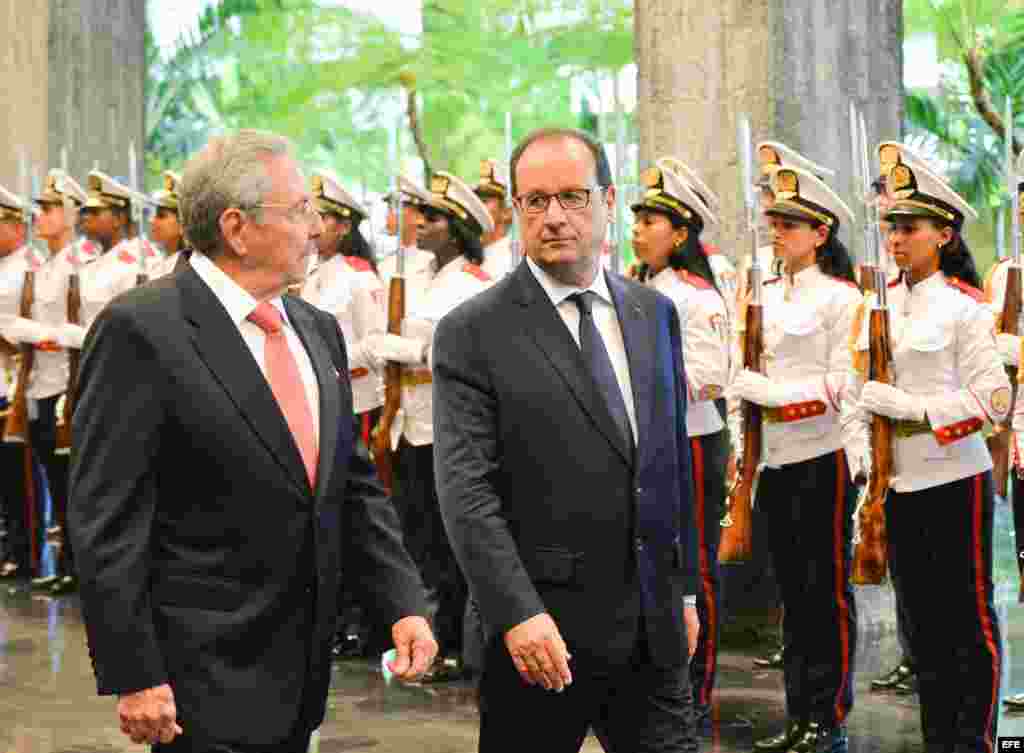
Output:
x=498 y=258
x=944 y=352
x=429 y=295
x=807 y=322
x=415 y=260
x=113 y=273
x=706 y=345
x=348 y=288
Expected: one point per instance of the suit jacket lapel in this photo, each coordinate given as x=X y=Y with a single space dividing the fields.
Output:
x=640 y=343
x=545 y=325
x=222 y=349
x=330 y=397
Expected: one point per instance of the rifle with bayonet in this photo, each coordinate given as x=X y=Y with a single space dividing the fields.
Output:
x=868 y=266
x=138 y=214
x=737 y=525
x=870 y=558
x=382 y=452
x=74 y=316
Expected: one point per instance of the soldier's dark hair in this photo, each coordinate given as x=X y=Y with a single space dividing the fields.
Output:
x=601 y=167
x=355 y=244
x=467 y=235
x=690 y=255
x=833 y=258
x=955 y=258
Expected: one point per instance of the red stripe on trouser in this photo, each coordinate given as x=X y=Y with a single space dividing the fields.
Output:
x=366 y=428
x=838 y=520
x=980 y=595
x=704 y=692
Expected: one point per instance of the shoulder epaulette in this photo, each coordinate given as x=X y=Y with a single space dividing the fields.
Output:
x=843 y=280
x=895 y=281
x=969 y=290
x=772 y=281
x=126 y=256
x=358 y=263
x=710 y=249
x=88 y=248
x=33 y=259
x=691 y=279
x=476 y=271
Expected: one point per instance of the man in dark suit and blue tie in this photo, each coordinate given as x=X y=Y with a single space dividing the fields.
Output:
x=214 y=487
x=563 y=473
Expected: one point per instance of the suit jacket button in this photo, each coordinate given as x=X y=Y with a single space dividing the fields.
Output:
x=639 y=544
x=639 y=491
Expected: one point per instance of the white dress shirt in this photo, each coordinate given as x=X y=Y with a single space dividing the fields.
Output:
x=239 y=304
x=605 y=319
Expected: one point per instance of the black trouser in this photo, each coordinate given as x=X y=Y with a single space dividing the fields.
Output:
x=12 y=500
x=43 y=432
x=427 y=542
x=710 y=454
x=1018 y=520
x=639 y=708
x=807 y=511
x=940 y=541
x=903 y=618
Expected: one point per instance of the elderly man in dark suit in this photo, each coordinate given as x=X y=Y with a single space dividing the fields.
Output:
x=563 y=472
x=214 y=484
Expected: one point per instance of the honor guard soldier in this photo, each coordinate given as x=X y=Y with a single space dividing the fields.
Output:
x=949 y=380
x=49 y=329
x=165 y=228
x=415 y=258
x=668 y=223
x=125 y=261
x=805 y=495
x=22 y=514
x=493 y=192
x=453 y=221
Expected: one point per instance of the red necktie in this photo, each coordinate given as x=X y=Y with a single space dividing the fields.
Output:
x=286 y=384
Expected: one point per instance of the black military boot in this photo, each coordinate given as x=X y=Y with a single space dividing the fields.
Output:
x=893 y=677
x=784 y=740
x=818 y=738
x=1014 y=702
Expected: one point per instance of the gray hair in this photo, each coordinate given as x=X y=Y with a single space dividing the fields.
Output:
x=229 y=172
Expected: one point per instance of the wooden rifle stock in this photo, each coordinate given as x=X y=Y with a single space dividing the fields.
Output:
x=737 y=530
x=867 y=278
x=74 y=360
x=870 y=557
x=1009 y=322
x=16 y=426
x=382 y=454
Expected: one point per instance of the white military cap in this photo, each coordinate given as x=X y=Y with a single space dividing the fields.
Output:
x=12 y=208
x=330 y=196
x=493 y=180
x=168 y=197
x=917 y=191
x=666 y=191
x=891 y=153
x=106 y=193
x=412 y=192
x=60 y=185
x=452 y=195
x=803 y=196
x=699 y=187
x=772 y=154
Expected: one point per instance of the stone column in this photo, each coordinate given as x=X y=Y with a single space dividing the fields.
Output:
x=792 y=65
x=72 y=74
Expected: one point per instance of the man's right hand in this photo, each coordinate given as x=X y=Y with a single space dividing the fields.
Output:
x=539 y=653
x=149 y=716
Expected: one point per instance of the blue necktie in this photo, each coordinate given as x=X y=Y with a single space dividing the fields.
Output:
x=595 y=354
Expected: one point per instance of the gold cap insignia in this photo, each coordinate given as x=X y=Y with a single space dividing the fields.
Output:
x=1001 y=400
x=439 y=185
x=51 y=183
x=900 y=177
x=169 y=184
x=318 y=185
x=786 y=184
x=889 y=157
x=486 y=170
x=768 y=157
x=651 y=177
x=95 y=183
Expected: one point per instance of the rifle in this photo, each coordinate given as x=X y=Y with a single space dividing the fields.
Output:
x=870 y=558
x=138 y=214
x=74 y=304
x=737 y=525
x=381 y=441
x=868 y=265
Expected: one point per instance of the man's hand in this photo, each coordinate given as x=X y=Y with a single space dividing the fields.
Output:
x=415 y=648
x=692 y=627
x=149 y=716
x=539 y=653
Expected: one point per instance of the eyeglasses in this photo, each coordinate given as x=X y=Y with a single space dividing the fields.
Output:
x=303 y=211
x=572 y=200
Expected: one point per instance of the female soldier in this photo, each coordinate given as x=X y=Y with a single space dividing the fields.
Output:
x=805 y=494
x=453 y=219
x=666 y=238
x=949 y=380
x=165 y=228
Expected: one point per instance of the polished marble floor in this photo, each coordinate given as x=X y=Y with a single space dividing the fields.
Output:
x=48 y=703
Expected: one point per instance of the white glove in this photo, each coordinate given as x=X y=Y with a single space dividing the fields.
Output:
x=69 y=335
x=1009 y=348
x=886 y=400
x=21 y=330
x=397 y=348
x=758 y=389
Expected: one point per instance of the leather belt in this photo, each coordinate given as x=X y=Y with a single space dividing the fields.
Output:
x=415 y=377
x=793 y=412
x=48 y=346
x=358 y=373
x=907 y=429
